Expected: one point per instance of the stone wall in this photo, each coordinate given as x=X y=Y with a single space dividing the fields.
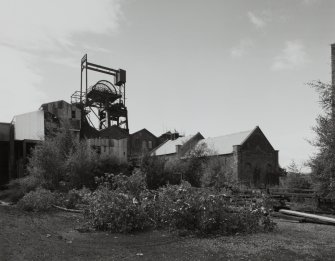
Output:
x=110 y=147
x=253 y=164
x=140 y=143
x=258 y=164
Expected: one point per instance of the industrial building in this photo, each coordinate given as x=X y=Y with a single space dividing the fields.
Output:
x=99 y=115
x=247 y=156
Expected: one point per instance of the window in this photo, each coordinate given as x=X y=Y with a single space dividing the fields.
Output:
x=150 y=144
x=73 y=114
x=144 y=144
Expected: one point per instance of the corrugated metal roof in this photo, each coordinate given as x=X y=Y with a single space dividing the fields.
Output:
x=169 y=147
x=224 y=144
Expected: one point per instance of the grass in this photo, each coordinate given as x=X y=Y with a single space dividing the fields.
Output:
x=53 y=236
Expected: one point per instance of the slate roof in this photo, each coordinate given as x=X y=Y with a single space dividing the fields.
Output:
x=113 y=132
x=224 y=144
x=143 y=130
x=169 y=147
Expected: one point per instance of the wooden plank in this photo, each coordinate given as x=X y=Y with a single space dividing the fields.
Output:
x=309 y=216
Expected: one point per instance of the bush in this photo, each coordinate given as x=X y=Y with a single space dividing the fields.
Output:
x=73 y=199
x=295 y=179
x=106 y=164
x=181 y=207
x=47 y=161
x=17 y=188
x=80 y=166
x=215 y=175
x=155 y=172
x=298 y=181
x=133 y=184
x=196 y=167
x=206 y=212
x=115 y=211
x=61 y=162
x=39 y=200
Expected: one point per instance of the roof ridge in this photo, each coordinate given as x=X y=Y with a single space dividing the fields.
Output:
x=234 y=133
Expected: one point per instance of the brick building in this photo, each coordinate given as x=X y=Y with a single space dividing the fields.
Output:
x=139 y=144
x=247 y=156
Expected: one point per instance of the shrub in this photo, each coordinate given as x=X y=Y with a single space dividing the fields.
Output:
x=133 y=184
x=73 y=198
x=202 y=211
x=38 y=200
x=298 y=181
x=17 y=188
x=295 y=179
x=80 y=166
x=115 y=211
x=206 y=212
x=47 y=161
x=155 y=174
x=61 y=162
x=107 y=164
x=215 y=175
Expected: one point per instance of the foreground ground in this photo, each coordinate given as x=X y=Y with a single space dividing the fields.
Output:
x=31 y=236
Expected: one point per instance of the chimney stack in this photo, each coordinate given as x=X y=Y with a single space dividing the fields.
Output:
x=333 y=63
x=333 y=78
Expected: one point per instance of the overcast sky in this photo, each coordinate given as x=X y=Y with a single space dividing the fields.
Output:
x=215 y=67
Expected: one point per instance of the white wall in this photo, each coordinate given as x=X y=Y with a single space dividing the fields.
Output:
x=29 y=126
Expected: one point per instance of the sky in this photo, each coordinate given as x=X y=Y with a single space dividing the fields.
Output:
x=214 y=67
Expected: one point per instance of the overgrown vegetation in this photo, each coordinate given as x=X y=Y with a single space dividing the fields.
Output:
x=195 y=168
x=323 y=163
x=39 y=200
x=115 y=206
x=295 y=179
x=62 y=162
x=191 y=194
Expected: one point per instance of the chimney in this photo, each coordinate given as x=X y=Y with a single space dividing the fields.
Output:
x=333 y=63
x=333 y=78
x=178 y=149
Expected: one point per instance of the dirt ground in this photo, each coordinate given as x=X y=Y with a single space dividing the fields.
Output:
x=52 y=236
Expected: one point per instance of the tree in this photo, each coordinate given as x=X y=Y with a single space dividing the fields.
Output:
x=295 y=179
x=323 y=163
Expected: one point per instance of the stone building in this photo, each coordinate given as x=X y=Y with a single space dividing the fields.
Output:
x=139 y=144
x=246 y=156
x=62 y=112
x=113 y=148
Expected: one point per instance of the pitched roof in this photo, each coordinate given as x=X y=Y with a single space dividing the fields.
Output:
x=113 y=132
x=169 y=147
x=224 y=144
x=143 y=130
